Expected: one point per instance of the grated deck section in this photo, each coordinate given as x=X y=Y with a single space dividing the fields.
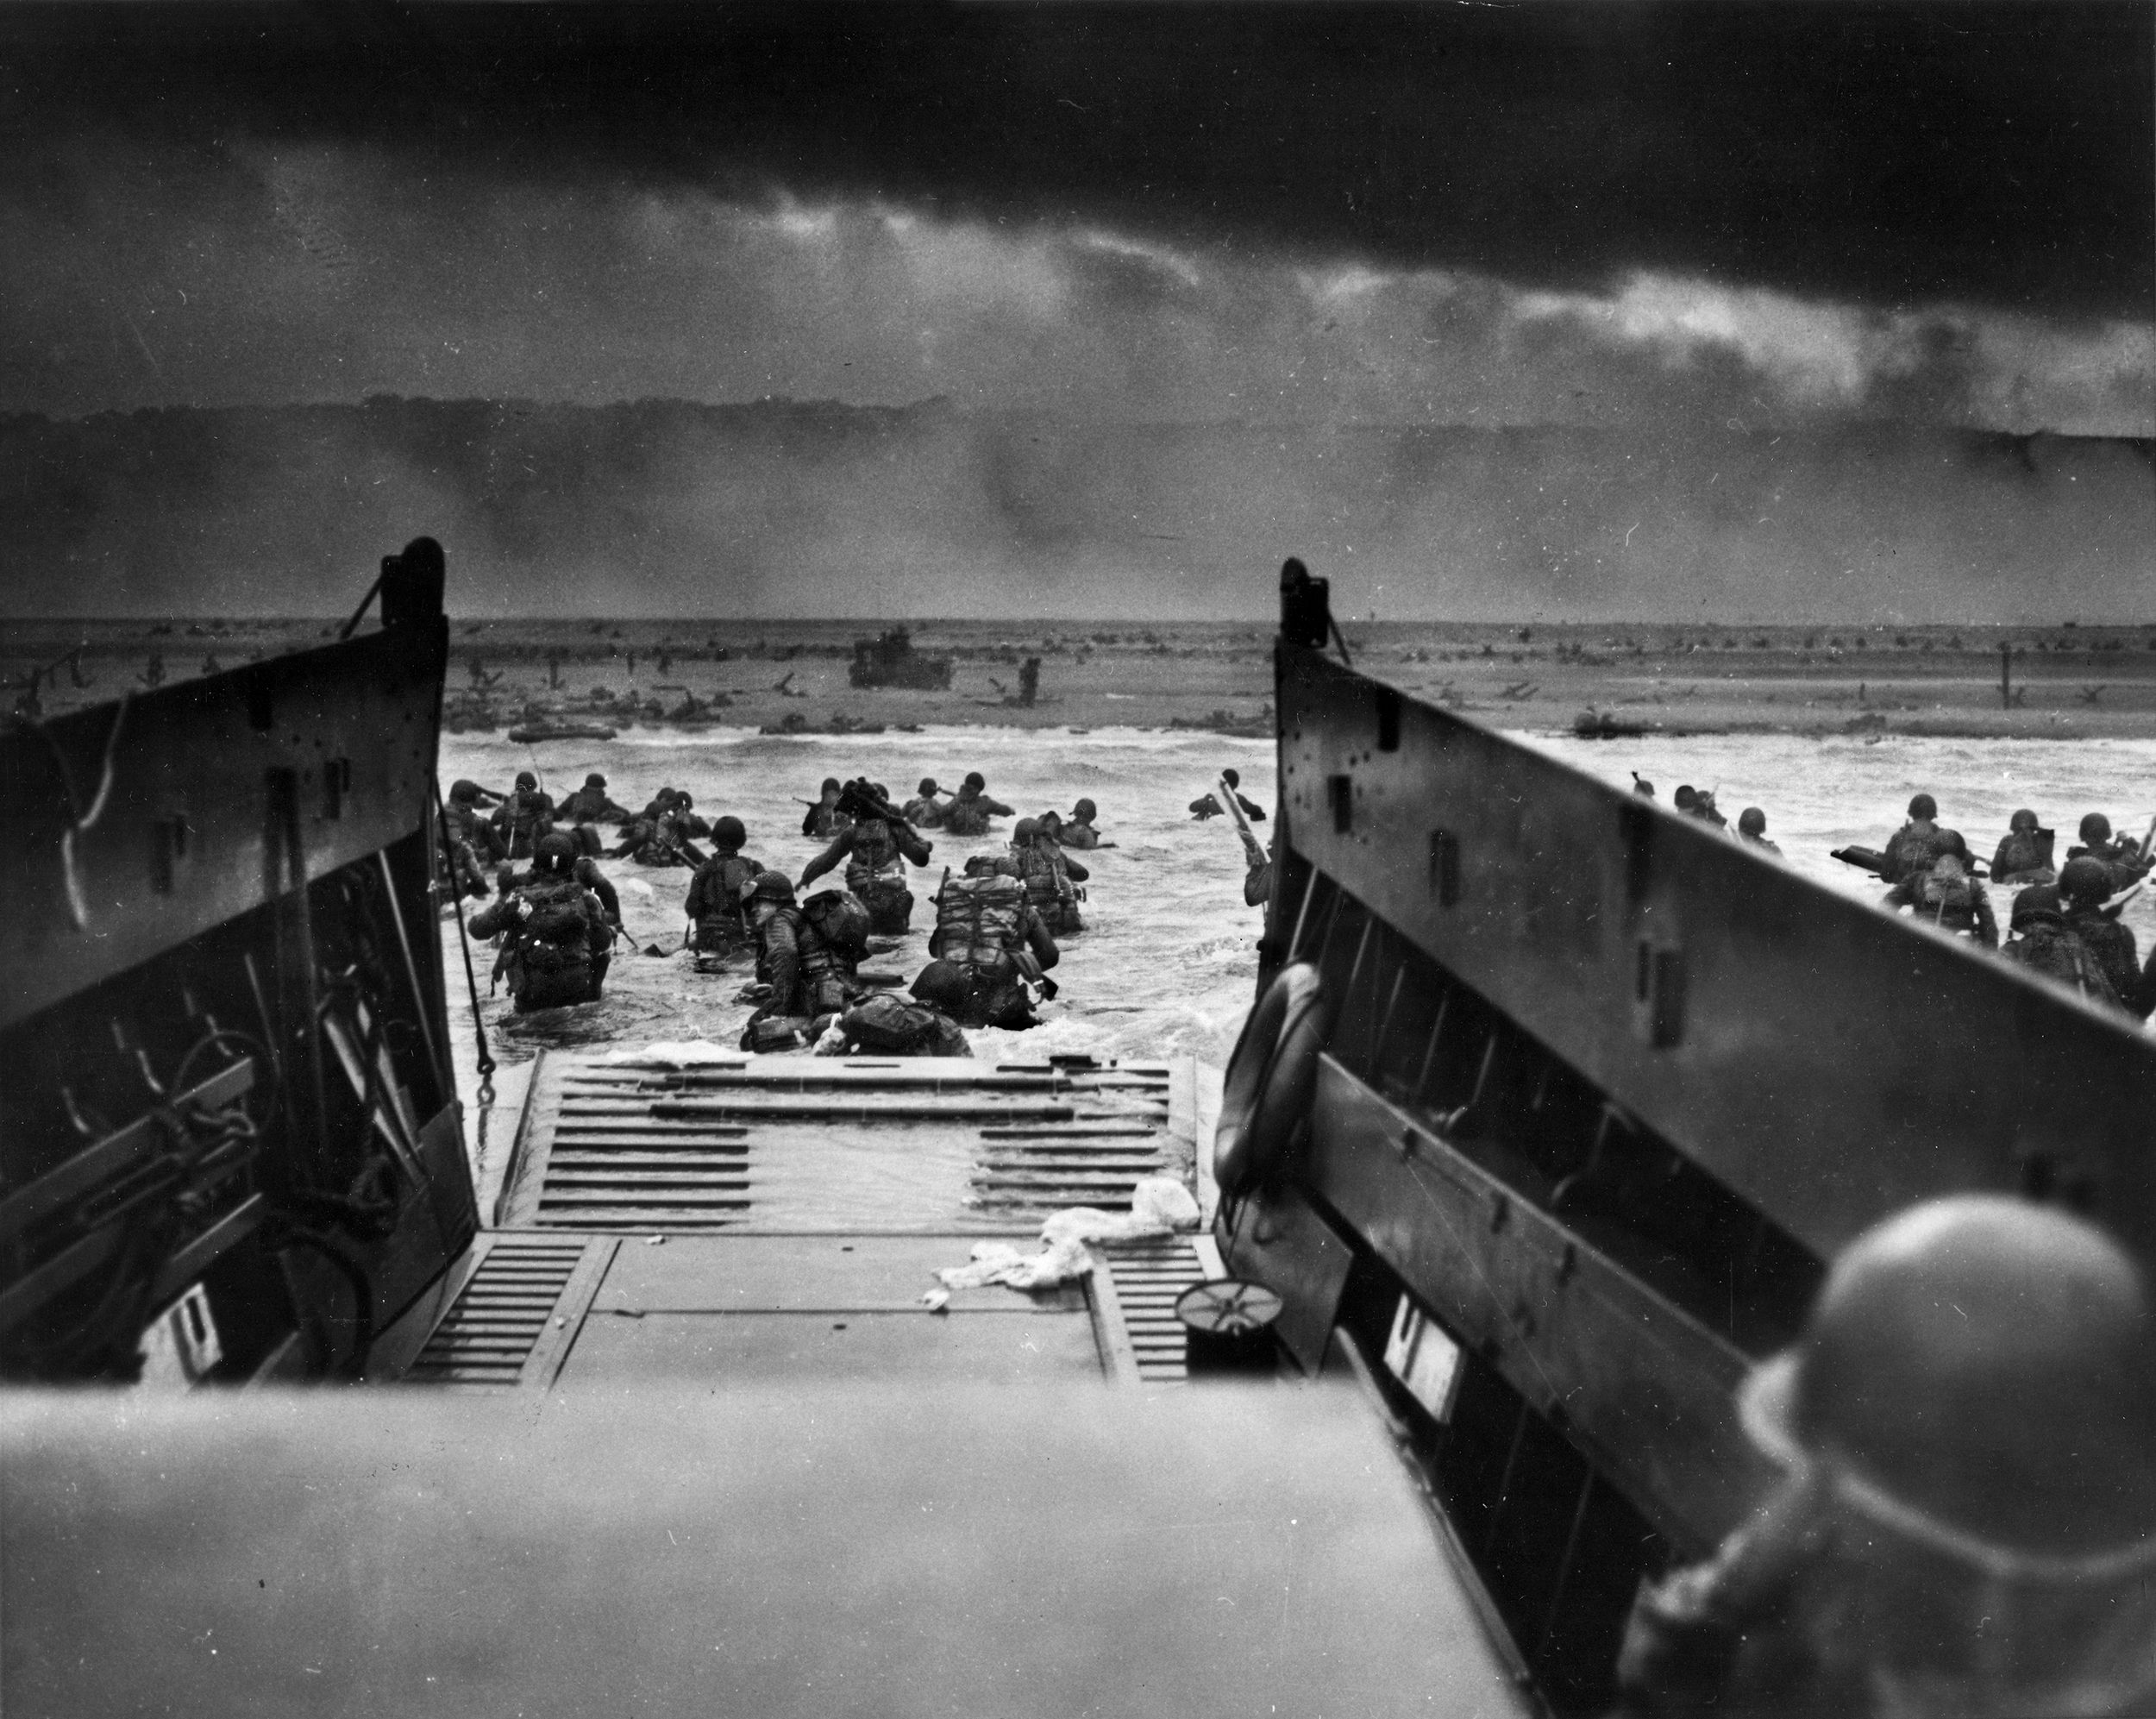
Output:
x=513 y=1315
x=779 y=1145
x=1144 y=1277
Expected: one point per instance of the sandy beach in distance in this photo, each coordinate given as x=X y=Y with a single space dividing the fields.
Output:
x=2066 y=682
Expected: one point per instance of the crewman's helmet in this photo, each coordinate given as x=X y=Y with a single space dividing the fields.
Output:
x=553 y=852
x=768 y=886
x=595 y=780
x=943 y=983
x=1752 y=821
x=2085 y=881
x=1023 y=831
x=1972 y=1406
x=1231 y=779
x=2038 y=902
x=1083 y=810
x=1924 y=806
x=928 y=789
x=525 y=779
x=975 y=781
x=2024 y=821
x=2096 y=827
x=728 y=833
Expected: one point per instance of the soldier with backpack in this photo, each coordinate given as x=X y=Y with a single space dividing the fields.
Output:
x=590 y=804
x=1046 y=872
x=1944 y=894
x=802 y=960
x=969 y=812
x=875 y=847
x=2044 y=942
x=986 y=928
x=718 y=920
x=886 y=1024
x=517 y=817
x=556 y=939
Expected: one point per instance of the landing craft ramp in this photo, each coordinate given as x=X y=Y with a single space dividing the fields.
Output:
x=776 y=1217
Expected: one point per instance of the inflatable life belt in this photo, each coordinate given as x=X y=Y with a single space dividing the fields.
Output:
x=1270 y=1080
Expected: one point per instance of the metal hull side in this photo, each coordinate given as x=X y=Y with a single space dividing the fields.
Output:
x=211 y=797
x=1825 y=1061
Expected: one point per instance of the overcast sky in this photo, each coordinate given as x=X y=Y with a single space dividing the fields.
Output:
x=1453 y=213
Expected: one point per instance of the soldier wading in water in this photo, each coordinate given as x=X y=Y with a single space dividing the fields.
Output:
x=556 y=939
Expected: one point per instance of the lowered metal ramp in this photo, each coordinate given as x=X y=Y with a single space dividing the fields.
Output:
x=795 y=1145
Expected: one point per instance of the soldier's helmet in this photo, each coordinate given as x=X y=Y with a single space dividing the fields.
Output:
x=2096 y=827
x=2085 y=881
x=1231 y=779
x=728 y=833
x=2038 y=902
x=463 y=792
x=1924 y=806
x=768 y=886
x=830 y=784
x=1023 y=831
x=595 y=780
x=525 y=779
x=683 y=800
x=1972 y=1405
x=928 y=789
x=1752 y=821
x=943 y=983
x=1084 y=809
x=553 y=852
x=1050 y=822
x=1685 y=798
x=2024 y=821
x=975 y=781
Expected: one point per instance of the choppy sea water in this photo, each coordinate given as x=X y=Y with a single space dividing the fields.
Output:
x=1820 y=795
x=1165 y=966
x=1167 y=962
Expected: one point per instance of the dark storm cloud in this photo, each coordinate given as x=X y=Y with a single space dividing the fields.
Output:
x=1898 y=154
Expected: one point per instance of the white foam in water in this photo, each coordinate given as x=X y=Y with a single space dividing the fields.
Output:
x=1170 y=956
x=1167 y=963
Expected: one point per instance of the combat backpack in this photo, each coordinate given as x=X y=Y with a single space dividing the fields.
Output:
x=840 y=919
x=980 y=921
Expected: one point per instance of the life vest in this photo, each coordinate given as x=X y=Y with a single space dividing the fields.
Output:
x=980 y=921
x=875 y=861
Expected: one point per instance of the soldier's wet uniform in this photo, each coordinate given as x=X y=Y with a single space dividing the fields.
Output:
x=969 y=814
x=715 y=905
x=556 y=938
x=1944 y=895
x=986 y=928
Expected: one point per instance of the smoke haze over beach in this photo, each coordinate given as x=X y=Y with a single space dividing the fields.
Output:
x=1575 y=311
